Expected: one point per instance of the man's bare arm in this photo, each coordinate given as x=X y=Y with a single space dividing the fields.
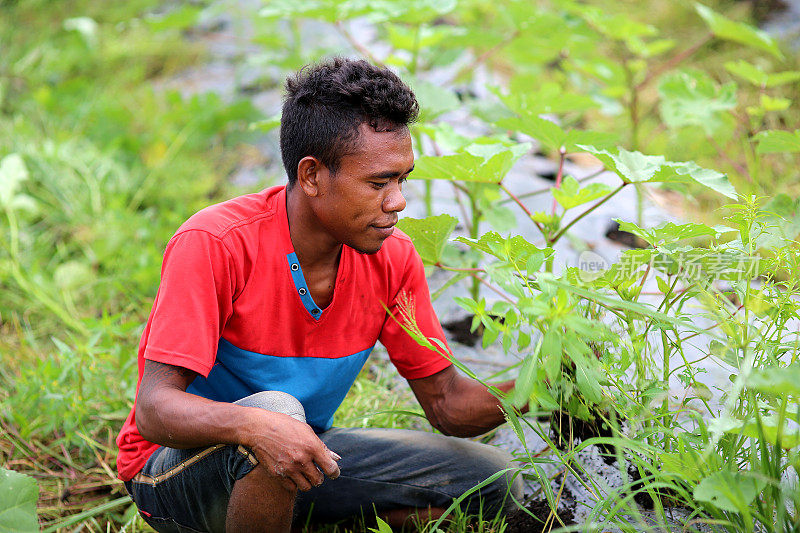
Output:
x=168 y=415
x=458 y=405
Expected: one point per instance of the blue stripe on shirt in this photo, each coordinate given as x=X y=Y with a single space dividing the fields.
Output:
x=319 y=383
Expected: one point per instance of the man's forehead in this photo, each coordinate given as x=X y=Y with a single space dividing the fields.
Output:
x=369 y=135
x=392 y=144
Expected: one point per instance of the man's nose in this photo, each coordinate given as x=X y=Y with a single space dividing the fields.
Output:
x=394 y=201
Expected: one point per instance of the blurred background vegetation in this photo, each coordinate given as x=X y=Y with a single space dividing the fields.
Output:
x=105 y=149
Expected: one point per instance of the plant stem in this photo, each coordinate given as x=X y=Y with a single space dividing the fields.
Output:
x=363 y=50
x=481 y=58
x=516 y=199
x=457 y=269
x=428 y=183
x=415 y=54
x=428 y=198
x=562 y=152
x=461 y=207
x=474 y=233
x=595 y=206
x=674 y=61
x=548 y=189
x=724 y=155
x=633 y=114
x=665 y=378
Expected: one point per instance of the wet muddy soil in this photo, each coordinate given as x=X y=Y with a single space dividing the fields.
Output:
x=566 y=431
x=542 y=520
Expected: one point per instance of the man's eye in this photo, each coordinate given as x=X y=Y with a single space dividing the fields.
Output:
x=377 y=184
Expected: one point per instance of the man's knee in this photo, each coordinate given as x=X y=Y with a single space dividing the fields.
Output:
x=498 y=495
x=276 y=401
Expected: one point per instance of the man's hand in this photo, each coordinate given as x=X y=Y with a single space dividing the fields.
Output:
x=288 y=449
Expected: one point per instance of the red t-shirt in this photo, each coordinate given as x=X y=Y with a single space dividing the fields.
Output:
x=234 y=307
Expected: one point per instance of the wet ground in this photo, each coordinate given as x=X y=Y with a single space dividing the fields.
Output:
x=227 y=73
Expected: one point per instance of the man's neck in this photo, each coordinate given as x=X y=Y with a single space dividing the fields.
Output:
x=314 y=247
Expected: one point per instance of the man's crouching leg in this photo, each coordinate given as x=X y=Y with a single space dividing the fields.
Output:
x=399 y=472
x=259 y=497
x=214 y=488
x=260 y=502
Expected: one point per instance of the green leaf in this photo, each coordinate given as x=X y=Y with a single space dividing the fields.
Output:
x=406 y=37
x=461 y=167
x=768 y=103
x=618 y=27
x=689 y=171
x=668 y=232
x=429 y=235
x=411 y=12
x=729 y=491
x=685 y=465
x=444 y=135
x=634 y=167
x=268 y=124
x=769 y=431
x=755 y=75
x=663 y=286
x=551 y=353
x=739 y=32
x=525 y=382
x=18 y=496
x=467 y=166
x=553 y=137
x=86 y=28
x=433 y=99
x=777 y=141
x=12 y=173
x=692 y=98
x=73 y=275
x=490 y=334
x=548 y=97
x=383 y=527
x=523 y=340
x=501 y=218
x=327 y=10
x=588 y=378
x=776 y=381
x=180 y=18
x=516 y=250
x=570 y=194
x=489 y=147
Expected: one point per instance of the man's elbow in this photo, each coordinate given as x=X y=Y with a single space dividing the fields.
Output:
x=449 y=423
x=144 y=417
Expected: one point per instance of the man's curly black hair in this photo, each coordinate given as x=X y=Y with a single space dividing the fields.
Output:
x=326 y=103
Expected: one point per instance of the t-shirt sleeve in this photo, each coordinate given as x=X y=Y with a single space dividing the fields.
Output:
x=412 y=305
x=194 y=301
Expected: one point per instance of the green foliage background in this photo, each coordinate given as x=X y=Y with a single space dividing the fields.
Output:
x=100 y=163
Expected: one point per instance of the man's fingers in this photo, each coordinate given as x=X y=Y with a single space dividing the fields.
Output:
x=327 y=464
x=288 y=484
x=301 y=482
x=312 y=474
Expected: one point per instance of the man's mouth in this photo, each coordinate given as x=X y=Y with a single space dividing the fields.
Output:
x=386 y=229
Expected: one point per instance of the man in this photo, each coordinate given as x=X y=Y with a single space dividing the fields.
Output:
x=284 y=290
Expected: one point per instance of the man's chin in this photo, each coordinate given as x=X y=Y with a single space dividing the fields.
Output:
x=368 y=251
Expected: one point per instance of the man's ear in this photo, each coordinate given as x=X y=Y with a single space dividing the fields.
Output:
x=310 y=170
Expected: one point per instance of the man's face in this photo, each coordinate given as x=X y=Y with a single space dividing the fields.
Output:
x=358 y=206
